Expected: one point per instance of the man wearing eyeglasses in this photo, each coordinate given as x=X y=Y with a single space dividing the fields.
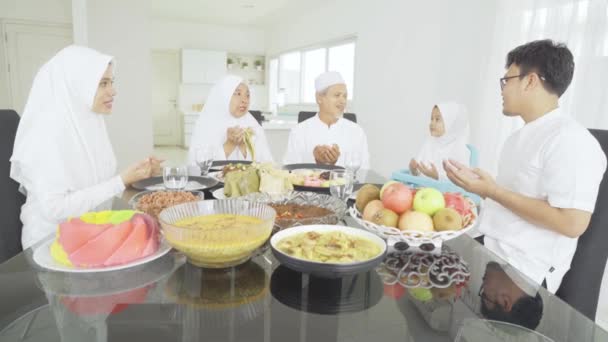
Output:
x=508 y=297
x=549 y=171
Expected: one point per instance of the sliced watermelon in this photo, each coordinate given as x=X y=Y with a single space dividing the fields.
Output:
x=133 y=246
x=74 y=233
x=153 y=234
x=110 y=304
x=95 y=252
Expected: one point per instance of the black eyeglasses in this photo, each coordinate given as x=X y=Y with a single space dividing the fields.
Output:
x=485 y=298
x=503 y=80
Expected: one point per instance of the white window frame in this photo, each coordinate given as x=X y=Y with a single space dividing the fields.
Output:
x=325 y=45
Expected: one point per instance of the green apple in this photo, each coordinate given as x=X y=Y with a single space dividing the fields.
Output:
x=422 y=294
x=386 y=186
x=428 y=201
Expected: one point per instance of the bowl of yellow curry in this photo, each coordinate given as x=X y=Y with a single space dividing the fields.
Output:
x=327 y=250
x=217 y=234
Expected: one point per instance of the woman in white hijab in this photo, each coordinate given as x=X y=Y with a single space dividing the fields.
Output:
x=449 y=130
x=62 y=155
x=223 y=123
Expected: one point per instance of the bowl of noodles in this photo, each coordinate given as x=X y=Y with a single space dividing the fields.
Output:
x=219 y=233
x=328 y=251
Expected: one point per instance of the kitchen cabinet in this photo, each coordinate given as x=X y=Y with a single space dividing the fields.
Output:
x=203 y=66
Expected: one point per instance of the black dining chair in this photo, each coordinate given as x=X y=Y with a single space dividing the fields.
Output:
x=257 y=114
x=307 y=115
x=11 y=199
x=581 y=285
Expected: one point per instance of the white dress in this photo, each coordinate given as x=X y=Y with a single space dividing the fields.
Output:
x=62 y=155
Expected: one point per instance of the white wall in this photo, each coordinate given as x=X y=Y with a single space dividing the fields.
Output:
x=409 y=55
x=130 y=125
x=233 y=39
x=52 y=11
x=177 y=35
x=55 y=11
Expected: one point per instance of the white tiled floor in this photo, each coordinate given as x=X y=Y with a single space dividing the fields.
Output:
x=178 y=155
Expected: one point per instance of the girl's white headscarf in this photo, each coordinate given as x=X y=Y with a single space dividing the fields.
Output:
x=452 y=144
x=215 y=119
x=61 y=142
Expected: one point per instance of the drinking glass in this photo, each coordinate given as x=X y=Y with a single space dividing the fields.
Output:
x=341 y=183
x=204 y=158
x=175 y=177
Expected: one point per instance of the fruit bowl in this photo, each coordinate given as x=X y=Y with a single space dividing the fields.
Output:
x=422 y=218
x=411 y=237
x=219 y=233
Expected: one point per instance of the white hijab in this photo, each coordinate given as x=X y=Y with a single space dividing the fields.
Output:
x=452 y=144
x=215 y=119
x=61 y=144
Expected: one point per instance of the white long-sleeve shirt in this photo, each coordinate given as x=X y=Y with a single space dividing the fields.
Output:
x=310 y=133
x=43 y=211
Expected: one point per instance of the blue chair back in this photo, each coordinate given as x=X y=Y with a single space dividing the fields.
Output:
x=474 y=158
x=404 y=176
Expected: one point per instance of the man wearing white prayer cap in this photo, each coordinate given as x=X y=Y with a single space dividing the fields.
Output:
x=327 y=138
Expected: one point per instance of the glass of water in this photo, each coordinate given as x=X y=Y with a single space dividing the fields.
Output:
x=341 y=183
x=352 y=162
x=204 y=158
x=175 y=177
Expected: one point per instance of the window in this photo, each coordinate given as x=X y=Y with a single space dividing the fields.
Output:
x=292 y=74
x=289 y=76
x=342 y=59
x=314 y=65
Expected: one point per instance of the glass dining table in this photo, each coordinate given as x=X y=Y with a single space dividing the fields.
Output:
x=470 y=295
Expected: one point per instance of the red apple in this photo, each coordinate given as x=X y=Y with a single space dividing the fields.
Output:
x=394 y=291
x=457 y=202
x=398 y=198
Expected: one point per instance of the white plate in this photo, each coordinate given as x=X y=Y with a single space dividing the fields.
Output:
x=218 y=175
x=219 y=193
x=190 y=186
x=42 y=256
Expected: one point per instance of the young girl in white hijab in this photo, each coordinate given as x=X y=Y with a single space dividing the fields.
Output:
x=223 y=123
x=62 y=155
x=449 y=129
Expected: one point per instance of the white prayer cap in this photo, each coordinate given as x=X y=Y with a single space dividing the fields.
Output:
x=327 y=79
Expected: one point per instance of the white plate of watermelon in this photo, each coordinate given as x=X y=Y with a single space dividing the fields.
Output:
x=42 y=256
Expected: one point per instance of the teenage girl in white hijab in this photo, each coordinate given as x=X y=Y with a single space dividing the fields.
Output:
x=223 y=121
x=62 y=155
x=449 y=129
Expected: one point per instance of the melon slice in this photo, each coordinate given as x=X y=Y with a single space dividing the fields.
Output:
x=95 y=252
x=133 y=246
x=74 y=233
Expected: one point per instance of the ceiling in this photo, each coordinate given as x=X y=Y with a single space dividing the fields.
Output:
x=257 y=13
